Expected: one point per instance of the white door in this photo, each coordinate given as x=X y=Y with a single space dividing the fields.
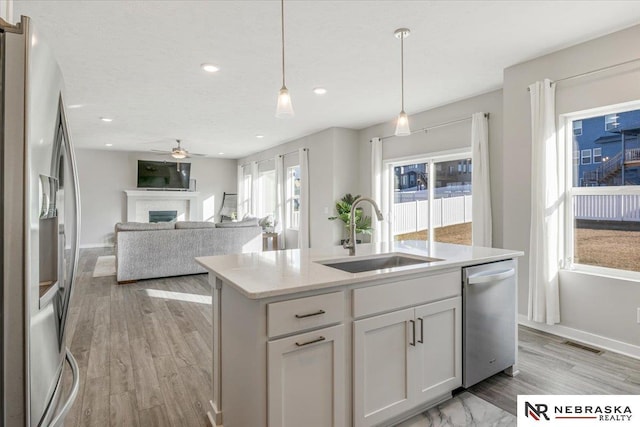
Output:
x=306 y=379
x=439 y=347
x=384 y=351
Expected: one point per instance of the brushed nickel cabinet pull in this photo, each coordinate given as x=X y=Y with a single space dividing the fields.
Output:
x=413 y=333
x=319 y=339
x=317 y=313
x=421 y=340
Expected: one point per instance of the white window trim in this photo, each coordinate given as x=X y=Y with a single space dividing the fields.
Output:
x=290 y=197
x=593 y=155
x=615 y=120
x=565 y=136
x=582 y=157
x=574 y=129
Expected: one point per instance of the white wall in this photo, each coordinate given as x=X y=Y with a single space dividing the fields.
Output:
x=104 y=175
x=442 y=139
x=591 y=304
x=333 y=171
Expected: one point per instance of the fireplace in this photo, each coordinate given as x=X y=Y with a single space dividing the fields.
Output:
x=163 y=216
x=186 y=203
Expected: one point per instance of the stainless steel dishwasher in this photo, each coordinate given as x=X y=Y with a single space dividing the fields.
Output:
x=489 y=320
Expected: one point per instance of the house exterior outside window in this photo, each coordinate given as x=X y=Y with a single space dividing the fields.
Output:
x=603 y=191
x=432 y=200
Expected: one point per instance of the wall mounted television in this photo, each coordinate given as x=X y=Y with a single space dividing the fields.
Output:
x=163 y=175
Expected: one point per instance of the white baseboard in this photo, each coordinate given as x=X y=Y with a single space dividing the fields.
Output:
x=584 y=337
x=96 y=245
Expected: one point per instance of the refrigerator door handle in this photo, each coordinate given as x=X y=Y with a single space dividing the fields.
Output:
x=58 y=420
x=491 y=277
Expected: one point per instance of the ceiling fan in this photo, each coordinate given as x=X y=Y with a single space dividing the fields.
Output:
x=178 y=152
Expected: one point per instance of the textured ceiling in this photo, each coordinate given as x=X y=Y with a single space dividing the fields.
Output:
x=139 y=62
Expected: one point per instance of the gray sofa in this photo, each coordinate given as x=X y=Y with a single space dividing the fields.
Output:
x=145 y=251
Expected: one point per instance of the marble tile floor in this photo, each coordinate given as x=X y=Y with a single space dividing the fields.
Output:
x=464 y=410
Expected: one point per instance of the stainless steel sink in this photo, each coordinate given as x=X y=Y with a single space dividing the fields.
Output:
x=377 y=263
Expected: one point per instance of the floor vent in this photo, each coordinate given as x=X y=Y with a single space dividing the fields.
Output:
x=583 y=347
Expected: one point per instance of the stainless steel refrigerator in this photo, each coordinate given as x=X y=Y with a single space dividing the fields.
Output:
x=39 y=224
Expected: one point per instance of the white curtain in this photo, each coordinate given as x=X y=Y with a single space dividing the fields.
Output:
x=6 y=11
x=255 y=191
x=547 y=180
x=380 y=232
x=280 y=200
x=303 y=227
x=480 y=180
x=242 y=197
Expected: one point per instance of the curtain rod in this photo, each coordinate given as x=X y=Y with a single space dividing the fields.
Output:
x=439 y=125
x=599 y=70
x=271 y=158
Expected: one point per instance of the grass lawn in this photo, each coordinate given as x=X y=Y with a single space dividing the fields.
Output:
x=608 y=248
x=459 y=234
x=604 y=248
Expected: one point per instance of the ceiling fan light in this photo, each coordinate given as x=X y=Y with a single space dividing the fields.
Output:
x=284 y=108
x=178 y=155
x=402 y=125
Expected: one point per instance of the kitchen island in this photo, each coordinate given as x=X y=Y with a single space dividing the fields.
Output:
x=297 y=342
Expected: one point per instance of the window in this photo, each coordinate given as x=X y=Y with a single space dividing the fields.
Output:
x=244 y=202
x=597 y=155
x=293 y=197
x=266 y=193
x=576 y=157
x=603 y=195
x=611 y=122
x=577 y=128
x=448 y=218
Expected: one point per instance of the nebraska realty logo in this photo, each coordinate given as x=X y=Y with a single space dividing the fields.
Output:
x=577 y=410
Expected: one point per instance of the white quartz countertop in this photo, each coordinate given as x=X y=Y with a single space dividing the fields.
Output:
x=268 y=274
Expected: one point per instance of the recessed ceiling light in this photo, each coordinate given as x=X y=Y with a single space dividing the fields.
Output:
x=220 y=153
x=209 y=68
x=319 y=91
x=108 y=145
x=259 y=136
x=74 y=106
x=106 y=119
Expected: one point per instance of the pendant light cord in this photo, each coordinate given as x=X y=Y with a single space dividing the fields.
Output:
x=282 y=23
x=402 y=67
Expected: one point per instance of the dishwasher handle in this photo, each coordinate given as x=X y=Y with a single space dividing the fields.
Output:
x=490 y=277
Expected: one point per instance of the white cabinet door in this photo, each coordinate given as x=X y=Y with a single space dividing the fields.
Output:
x=306 y=379
x=384 y=351
x=439 y=338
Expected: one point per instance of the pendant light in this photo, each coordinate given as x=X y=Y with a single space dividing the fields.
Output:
x=284 y=108
x=402 y=124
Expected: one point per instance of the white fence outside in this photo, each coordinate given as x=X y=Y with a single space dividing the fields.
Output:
x=409 y=217
x=618 y=207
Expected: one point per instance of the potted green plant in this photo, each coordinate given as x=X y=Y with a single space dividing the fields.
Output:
x=343 y=208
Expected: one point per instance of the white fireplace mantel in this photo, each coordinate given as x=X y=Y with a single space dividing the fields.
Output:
x=140 y=202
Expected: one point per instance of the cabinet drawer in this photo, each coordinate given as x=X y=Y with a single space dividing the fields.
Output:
x=304 y=313
x=391 y=296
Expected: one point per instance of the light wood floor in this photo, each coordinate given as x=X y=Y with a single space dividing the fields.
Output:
x=145 y=356
x=547 y=366
x=145 y=360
